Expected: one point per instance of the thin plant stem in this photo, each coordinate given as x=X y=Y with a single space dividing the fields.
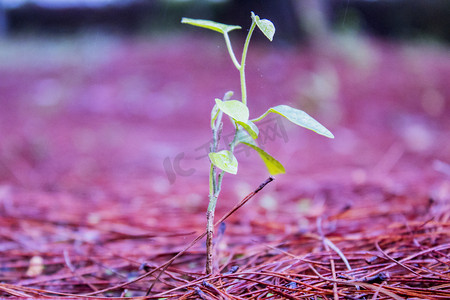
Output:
x=212 y=182
x=209 y=238
x=215 y=180
x=242 y=66
x=234 y=141
x=230 y=51
x=214 y=190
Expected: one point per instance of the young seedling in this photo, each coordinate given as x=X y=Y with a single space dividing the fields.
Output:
x=246 y=131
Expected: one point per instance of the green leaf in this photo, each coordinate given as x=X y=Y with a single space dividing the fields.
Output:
x=251 y=128
x=298 y=117
x=224 y=160
x=273 y=165
x=265 y=26
x=235 y=109
x=219 y=27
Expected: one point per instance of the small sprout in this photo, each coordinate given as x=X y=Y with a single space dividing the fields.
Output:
x=246 y=131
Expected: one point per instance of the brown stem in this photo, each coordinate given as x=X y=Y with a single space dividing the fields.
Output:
x=209 y=241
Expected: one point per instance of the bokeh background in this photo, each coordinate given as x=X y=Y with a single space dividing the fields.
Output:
x=104 y=130
x=136 y=73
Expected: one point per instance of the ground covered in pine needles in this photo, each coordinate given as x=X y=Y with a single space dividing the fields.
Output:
x=103 y=171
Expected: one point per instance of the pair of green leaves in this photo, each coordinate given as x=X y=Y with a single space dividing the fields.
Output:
x=239 y=112
x=264 y=25
x=248 y=132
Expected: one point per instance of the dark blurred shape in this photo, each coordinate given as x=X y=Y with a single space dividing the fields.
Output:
x=295 y=21
x=395 y=18
x=66 y=17
x=3 y=22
